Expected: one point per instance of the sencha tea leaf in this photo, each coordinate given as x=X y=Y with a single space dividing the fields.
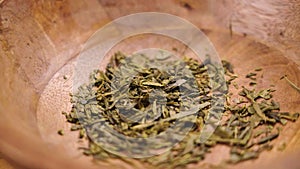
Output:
x=291 y=83
x=60 y=132
x=141 y=97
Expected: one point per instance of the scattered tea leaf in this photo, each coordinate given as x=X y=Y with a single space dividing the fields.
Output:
x=291 y=83
x=142 y=97
x=60 y=132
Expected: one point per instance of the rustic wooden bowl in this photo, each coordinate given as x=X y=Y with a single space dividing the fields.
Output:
x=41 y=39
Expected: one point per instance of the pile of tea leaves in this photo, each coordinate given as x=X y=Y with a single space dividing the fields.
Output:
x=141 y=97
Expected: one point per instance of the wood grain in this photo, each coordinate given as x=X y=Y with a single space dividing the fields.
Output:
x=39 y=39
x=4 y=164
x=275 y=22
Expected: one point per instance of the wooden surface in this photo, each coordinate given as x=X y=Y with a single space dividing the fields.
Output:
x=38 y=38
x=275 y=22
x=4 y=164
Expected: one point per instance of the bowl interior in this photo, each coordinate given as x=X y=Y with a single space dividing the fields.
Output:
x=38 y=52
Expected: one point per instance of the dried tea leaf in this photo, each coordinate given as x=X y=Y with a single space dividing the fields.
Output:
x=61 y=132
x=268 y=138
x=141 y=97
x=291 y=83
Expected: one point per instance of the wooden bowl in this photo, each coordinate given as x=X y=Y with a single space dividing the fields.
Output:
x=41 y=40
